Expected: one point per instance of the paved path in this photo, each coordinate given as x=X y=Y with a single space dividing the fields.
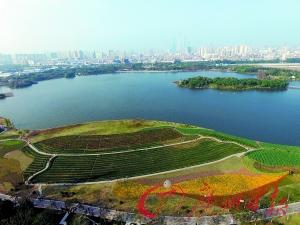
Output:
x=248 y=149
x=111 y=214
x=41 y=171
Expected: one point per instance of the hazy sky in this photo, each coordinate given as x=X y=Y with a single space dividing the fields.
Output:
x=51 y=25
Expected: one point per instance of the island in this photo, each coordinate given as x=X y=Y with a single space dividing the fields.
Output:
x=234 y=84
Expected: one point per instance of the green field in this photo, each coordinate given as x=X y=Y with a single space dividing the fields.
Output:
x=110 y=143
x=101 y=128
x=105 y=137
x=107 y=167
x=218 y=135
x=10 y=134
x=277 y=155
x=10 y=145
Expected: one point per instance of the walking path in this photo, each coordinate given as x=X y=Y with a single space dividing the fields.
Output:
x=111 y=214
x=41 y=171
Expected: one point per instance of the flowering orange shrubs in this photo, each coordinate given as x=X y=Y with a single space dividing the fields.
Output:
x=227 y=184
x=220 y=185
x=128 y=190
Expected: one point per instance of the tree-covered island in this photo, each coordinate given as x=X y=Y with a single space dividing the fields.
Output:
x=231 y=83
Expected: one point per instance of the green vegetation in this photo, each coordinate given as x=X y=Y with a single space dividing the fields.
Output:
x=26 y=214
x=218 y=135
x=231 y=83
x=10 y=145
x=107 y=167
x=277 y=155
x=10 y=134
x=38 y=163
x=289 y=220
x=6 y=122
x=70 y=72
x=108 y=143
x=10 y=168
x=101 y=128
x=268 y=72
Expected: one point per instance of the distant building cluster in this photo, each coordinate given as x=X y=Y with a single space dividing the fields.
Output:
x=236 y=53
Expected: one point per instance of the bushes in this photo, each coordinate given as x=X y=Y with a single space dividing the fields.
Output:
x=108 y=167
x=231 y=83
x=78 y=144
x=272 y=157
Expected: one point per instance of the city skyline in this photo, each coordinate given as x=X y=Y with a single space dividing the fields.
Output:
x=52 y=25
x=187 y=53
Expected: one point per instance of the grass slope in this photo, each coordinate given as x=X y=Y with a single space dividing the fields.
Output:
x=10 y=145
x=91 y=143
x=101 y=128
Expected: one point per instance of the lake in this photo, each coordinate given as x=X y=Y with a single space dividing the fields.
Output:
x=265 y=116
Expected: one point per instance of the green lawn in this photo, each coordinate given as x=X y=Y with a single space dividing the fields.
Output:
x=102 y=128
x=10 y=134
x=7 y=146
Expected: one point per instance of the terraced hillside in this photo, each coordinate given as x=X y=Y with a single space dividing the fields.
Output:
x=81 y=168
x=38 y=164
x=277 y=156
x=110 y=143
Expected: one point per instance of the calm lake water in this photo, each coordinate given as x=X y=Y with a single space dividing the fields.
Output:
x=266 y=116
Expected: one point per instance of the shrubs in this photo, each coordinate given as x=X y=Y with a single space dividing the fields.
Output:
x=127 y=140
x=231 y=83
x=107 y=167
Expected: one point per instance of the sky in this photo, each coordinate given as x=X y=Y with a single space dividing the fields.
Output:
x=61 y=25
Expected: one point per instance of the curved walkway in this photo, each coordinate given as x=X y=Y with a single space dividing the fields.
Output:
x=41 y=171
x=128 y=217
x=247 y=148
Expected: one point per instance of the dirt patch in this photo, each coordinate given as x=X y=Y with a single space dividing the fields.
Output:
x=18 y=155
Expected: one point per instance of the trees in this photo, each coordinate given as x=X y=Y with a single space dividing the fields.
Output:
x=231 y=83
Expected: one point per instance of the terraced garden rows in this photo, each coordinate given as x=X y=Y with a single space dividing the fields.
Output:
x=139 y=138
x=53 y=150
x=272 y=157
x=108 y=167
x=218 y=135
x=38 y=164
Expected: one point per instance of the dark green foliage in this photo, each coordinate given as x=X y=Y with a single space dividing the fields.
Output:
x=270 y=72
x=277 y=157
x=219 y=135
x=107 y=167
x=84 y=143
x=6 y=209
x=231 y=83
x=25 y=214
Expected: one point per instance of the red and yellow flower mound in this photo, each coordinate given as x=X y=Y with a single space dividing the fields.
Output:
x=219 y=185
x=224 y=185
